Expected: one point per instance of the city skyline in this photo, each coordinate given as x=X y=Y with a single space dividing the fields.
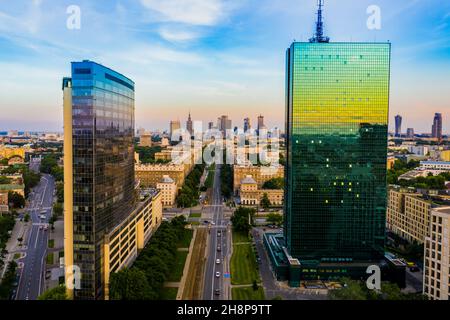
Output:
x=236 y=61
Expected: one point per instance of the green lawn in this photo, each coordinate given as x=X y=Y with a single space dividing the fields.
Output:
x=177 y=272
x=17 y=256
x=49 y=259
x=51 y=243
x=186 y=240
x=168 y=293
x=240 y=237
x=247 y=293
x=244 y=269
x=195 y=215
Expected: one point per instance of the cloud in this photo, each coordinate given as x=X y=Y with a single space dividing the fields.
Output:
x=150 y=54
x=176 y=35
x=195 y=12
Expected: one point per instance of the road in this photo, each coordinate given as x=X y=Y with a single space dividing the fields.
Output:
x=32 y=275
x=219 y=223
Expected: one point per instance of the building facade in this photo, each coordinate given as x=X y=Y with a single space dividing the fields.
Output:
x=169 y=191
x=150 y=175
x=437 y=256
x=100 y=192
x=336 y=141
x=251 y=195
x=259 y=173
x=408 y=215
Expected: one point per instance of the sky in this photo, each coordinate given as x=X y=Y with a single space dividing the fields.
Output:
x=211 y=57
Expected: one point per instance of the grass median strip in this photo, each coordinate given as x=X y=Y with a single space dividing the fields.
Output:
x=244 y=269
x=247 y=293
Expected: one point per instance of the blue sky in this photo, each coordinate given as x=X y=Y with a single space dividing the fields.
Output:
x=210 y=57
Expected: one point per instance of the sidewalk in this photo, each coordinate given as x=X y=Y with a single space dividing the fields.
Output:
x=20 y=230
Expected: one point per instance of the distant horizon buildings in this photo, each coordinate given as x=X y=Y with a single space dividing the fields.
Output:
x=174 y=126
x=410 y=133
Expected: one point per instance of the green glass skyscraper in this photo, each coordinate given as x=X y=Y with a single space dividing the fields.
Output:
x=337 y=100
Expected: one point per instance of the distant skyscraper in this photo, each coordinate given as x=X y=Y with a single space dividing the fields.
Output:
x=437 y=127
x=398 y=126
x=336 y=136
x=210 y=125
x=247 y=124
x=225 y=124
x=410 y=133
x=174 y=126
x=261 y=123
x=189 y=126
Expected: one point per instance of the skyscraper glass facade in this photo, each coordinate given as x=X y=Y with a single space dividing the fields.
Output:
x=103 y=165
x=337 y=127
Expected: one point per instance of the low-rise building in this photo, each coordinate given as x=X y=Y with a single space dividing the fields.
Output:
x=260 y=174
x=169 y=190
x=408 y=214
x=251 y=195
x=123 y=243
x=11 y=151
x=14 y=160
x=145 y=140
x=150 y=175
x=4 y=204
x=435 y=165
x=445 y=155
x=437 y=256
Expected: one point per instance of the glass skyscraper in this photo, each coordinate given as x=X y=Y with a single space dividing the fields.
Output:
x=337 y=99
x=102 y=151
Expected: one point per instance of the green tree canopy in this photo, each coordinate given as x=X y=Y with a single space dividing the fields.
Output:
x=57 y=293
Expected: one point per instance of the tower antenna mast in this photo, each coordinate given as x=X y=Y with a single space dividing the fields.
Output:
x=318 y=36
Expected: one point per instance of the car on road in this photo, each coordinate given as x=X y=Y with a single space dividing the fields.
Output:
x=217 y=292
x=219 y=248
x=219 y=233
x=218 y=261
x=41 y=227
x=42 y=216
x=217 y=274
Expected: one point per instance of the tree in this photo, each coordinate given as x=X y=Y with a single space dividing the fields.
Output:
x=17 y=200
x=265 y=202
x=7 y=283
x=242 y=219
x=357 y=290
x=274 y=184
x=352 y=290
x=129 y=284
x=4 y=180
x=60 y=191
x=58 y=209
x=255 y=285
x=57 y=293
x=275 y=218
x=26 y=218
